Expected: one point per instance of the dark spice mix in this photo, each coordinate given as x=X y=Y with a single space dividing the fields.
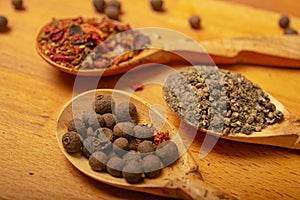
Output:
x=226 y=101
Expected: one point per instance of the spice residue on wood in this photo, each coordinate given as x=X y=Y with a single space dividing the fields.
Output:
x=220 y=99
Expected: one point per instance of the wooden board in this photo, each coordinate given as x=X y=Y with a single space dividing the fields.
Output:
x=32 y=94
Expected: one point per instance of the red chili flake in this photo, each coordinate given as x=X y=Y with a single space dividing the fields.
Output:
x=161 y=137
x=58 y=57
x=76 y=37
x=78 y=19
x=94 y=37
x=137 y=86
x=57 y=35
x=52 y=51
x=47 y=30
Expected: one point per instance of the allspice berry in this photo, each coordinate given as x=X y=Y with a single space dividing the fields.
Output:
x=96 y=121
x=115 y=3
x=99 y=5
x=90 y=145
x=143 y=132
x=78 y=126
x=18 y=4
x=167 y=151
x=146 y=147
x=132 y=171
x=109 y=120
x=132 y=143
x=157 y=5
x=284 y=21
x=90 y=132
x=112 y=12
x=86 y=115
x=195 y=21
x=98 y=161
x=132 y=155
x=124 y=129
x=126 y=112
x=114 y=166
x=105 y=135
x=121 y=146
x=151 y=166
x=71 y=142
x=104 y=104
x=3 y=23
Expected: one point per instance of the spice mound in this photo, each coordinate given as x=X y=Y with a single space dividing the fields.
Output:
x=68 y=42
x=112 y=141
x=220 y=101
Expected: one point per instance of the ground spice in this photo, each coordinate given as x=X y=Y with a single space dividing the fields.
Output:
x=68 y=42
x=243 y=108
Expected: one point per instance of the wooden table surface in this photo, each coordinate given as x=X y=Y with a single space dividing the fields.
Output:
x=32 y=94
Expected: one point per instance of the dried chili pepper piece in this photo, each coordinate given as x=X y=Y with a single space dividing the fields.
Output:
x=68 y=42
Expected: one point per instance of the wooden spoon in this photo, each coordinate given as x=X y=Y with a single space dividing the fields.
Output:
x=284 y=134
x=275 y=51
x=180 y=180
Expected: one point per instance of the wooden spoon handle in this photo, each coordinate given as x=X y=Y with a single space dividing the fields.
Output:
x=195 y=188
x=276 y=51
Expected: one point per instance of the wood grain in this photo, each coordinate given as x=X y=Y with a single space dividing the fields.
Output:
x=32 y=94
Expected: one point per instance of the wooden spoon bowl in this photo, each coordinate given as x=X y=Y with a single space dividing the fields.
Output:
x=283 y=134
x=180 y=180
x=275 y=51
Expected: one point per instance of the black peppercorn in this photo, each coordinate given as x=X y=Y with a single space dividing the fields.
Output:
x=143 y=132
x=167 y=151
x=284 y=21
x=114 y=166
x=151 y=166
x=3 y=23
x=146 y=147
x=109 y=120
x=96 y=121
x=156 y=5
x=18 y=4
x=72 y=142
x=290 y=31
x=121 y=146
x=195 y=21
x=104 y=104
x=132 y=171
x=112 y=12
x=78 y=126
x=98 y=160
x=99 y=5
x=126 y=112
x=124 y=129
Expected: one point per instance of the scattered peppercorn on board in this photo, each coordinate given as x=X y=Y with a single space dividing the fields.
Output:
x=33 y=93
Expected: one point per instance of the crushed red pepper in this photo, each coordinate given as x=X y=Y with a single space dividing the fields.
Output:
x=161 y=137
x=68 y=42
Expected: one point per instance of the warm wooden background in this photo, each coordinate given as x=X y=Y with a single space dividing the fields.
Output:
x=32 y=94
